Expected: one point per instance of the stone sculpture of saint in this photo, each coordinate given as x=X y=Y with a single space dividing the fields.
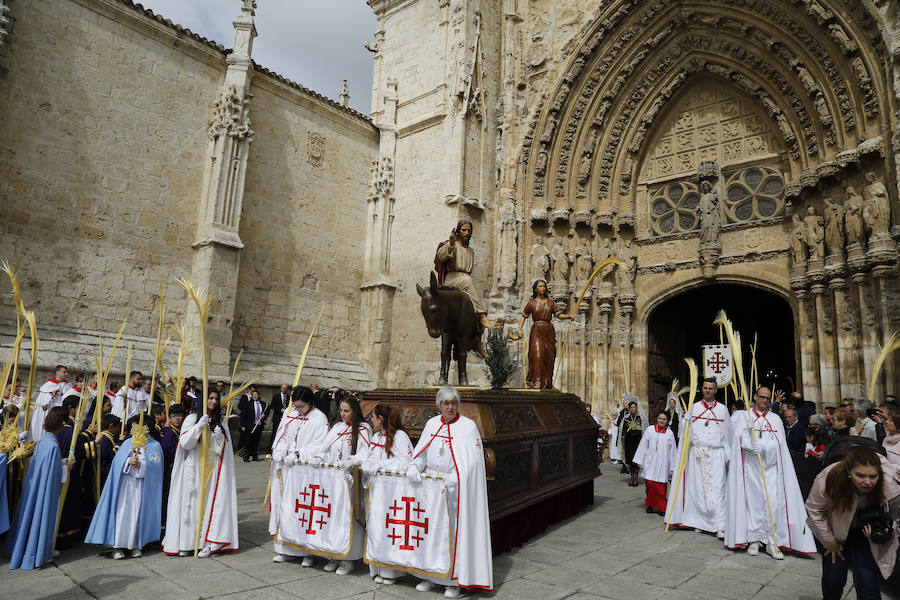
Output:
x=626 y=273
x=584 y=263
x=710 y=215
x=815 y=234
x=540 y=259
x=853 y=216
x=559 y=264
x=834 y=227
x=877 y=207
x=542 y=339
x=506 y=225
x=798 y=241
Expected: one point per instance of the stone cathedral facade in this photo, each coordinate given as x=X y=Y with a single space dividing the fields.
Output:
x=740 y=155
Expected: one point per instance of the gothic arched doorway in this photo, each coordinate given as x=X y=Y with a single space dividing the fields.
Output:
x=678 y=328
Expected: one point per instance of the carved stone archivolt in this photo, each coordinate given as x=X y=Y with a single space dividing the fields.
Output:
x=778 y=93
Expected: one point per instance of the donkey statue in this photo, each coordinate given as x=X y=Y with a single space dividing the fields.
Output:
x=449 y=314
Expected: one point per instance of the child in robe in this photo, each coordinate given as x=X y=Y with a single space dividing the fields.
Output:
x=129 y=512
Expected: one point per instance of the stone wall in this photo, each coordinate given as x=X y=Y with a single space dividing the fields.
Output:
x=303 y=225
x=106 y=109
x=101 y=161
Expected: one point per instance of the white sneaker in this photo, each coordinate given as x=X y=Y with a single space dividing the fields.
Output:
x=118 y=554
x=378 y=579
x=344 y=567
x=452 y=591
x=753 y=549
x=424 y=586
x=388 y=581
x=184 y=553
x=331 y=566
x=205 y=552
x=774 y=552
x=307 y=561
x=696 y=530
x=720 y=535
x=279 y=558
x=136 y=553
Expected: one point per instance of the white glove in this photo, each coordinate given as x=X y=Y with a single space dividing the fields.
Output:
x=750 y=425
x=25 y=437
x=353 y=460
x=756 y=448
x=277 y=458
x=369 y=468
x=203 y=421
x=346 y=463
x=315 y=461
x=412 y=473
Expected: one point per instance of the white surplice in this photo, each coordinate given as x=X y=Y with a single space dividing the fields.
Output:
x=50 y=395
x=128 y=504
x=298 y=437
x=125 y=410
x=700 y=501
x=219 y=530
x=748 y=511
x=657 y=454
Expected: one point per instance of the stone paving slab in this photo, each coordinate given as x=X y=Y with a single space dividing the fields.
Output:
x=611 y=551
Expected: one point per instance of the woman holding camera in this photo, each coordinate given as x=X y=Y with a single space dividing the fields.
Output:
x=852 y=508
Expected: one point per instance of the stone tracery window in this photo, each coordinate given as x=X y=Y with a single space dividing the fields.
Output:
x=753 y=193
x=673 y=207
x=711 y=121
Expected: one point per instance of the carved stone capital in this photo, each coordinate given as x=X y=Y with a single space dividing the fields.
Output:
x=838 y=284
x=856 y=258
x=882 y=250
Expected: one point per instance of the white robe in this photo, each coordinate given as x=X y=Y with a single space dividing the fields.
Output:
x=128 y=504
x=657 y=455
x=748 y=514
x=454 y=451
x=401 y=454
x=219 y=531
x=298 y=437
x=701 y=498
x=338 y=443
x=50 y=395
x=338 y=446
x=614 y=452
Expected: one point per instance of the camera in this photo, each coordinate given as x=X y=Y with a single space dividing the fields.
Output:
x=881 y=523
x=871 y=412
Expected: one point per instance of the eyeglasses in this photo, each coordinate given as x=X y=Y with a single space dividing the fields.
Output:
x=761 y=397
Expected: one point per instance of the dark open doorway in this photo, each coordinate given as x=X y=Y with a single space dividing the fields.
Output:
x=681 y=325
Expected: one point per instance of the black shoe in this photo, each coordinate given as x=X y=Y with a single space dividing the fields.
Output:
x=660 y=513
x=255 y=459
x=624 y=468
x=649 y=510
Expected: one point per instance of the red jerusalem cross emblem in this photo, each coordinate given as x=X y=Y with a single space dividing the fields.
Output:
x=409 y=524
x=308 y=520
x=717 y=363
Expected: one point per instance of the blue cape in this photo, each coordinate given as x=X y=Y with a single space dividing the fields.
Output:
x=103 y=525
x=30 y=540
x=4 y=503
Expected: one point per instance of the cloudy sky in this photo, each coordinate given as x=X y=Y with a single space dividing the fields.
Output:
x=317 y=43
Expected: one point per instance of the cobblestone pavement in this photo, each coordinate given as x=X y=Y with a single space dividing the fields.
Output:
x=612 y=550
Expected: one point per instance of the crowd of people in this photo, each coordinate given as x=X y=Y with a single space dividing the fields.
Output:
x=778 y=476
x=125 y=486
